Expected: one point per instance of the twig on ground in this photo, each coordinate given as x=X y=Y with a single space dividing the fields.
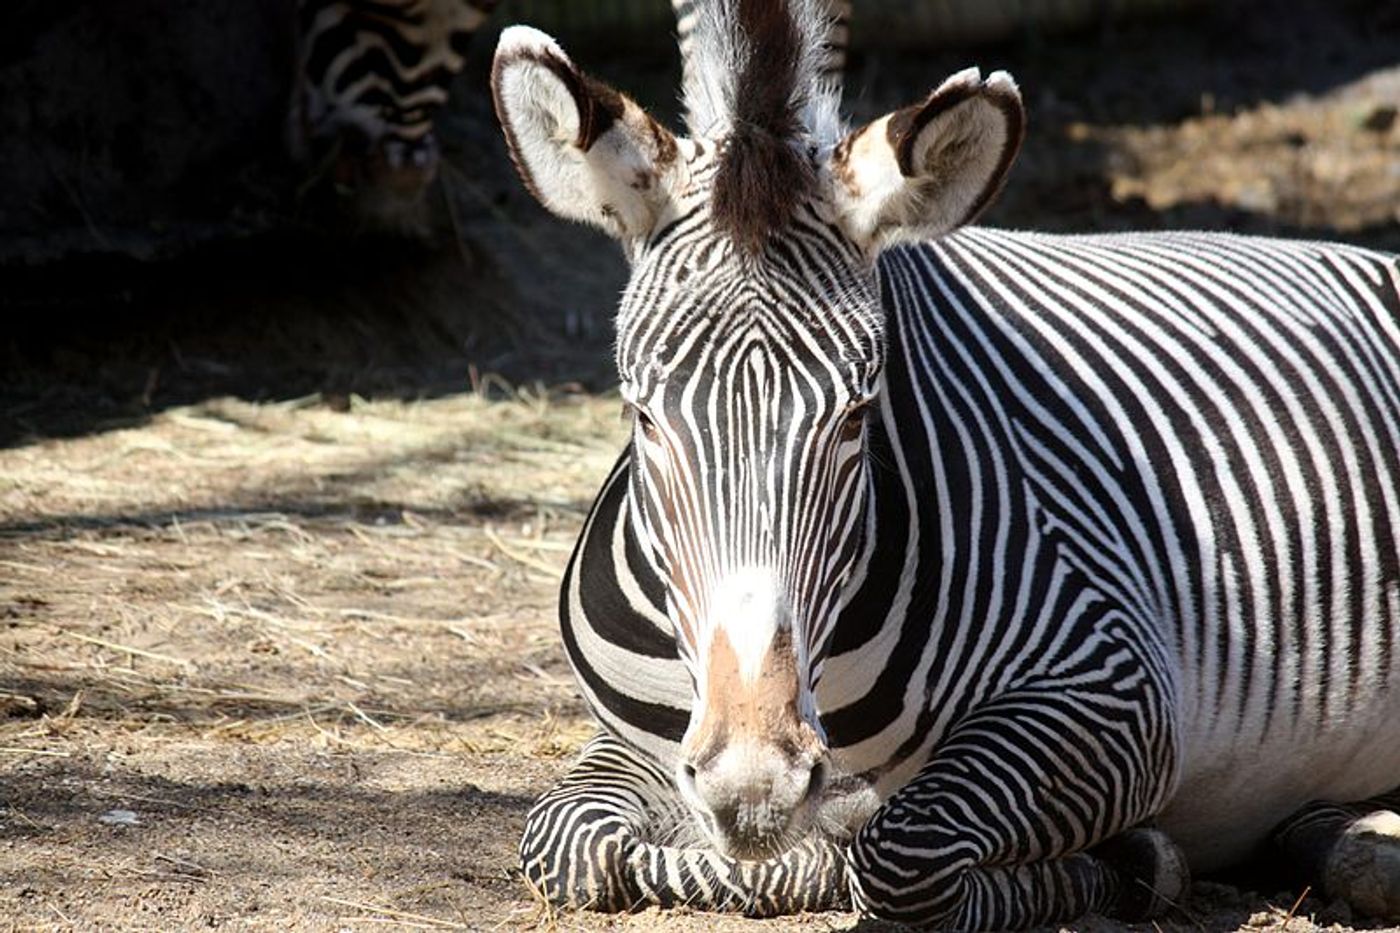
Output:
x=523 y=559
x=366 y=718
x=25 y=817
x=31 y=568
x=1307 y=889
x=184 y=866
x=127 y=649
x=428 y=922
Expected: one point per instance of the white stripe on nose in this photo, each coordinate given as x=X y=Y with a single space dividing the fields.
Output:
x=748 y=605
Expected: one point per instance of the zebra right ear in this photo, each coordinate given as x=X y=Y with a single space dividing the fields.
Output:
x=925 y=170
x=584 y=150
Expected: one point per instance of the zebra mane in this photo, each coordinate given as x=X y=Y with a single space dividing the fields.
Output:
x=754 y=80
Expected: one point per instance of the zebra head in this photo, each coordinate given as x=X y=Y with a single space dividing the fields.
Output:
x=372 y=76
x=750 y=349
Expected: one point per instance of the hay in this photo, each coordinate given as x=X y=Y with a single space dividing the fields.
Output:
x=266 y=573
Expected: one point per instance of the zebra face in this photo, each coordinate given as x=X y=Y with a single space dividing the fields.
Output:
x=750 y=348
x=751 y=381
x=372 y=77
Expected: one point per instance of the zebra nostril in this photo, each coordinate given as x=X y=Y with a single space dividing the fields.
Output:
x=685 y=777
x=395 y=153
x=816 y=781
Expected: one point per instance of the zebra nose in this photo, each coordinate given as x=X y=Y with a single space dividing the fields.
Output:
x=756 y=802
x=416 y=154
x=405 y=166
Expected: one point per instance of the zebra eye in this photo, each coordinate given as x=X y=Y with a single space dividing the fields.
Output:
x=855 y=421
x=645 y=424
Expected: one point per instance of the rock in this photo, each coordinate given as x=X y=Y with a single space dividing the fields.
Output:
x=120 y=818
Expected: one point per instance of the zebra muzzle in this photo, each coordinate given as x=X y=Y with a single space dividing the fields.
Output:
x=753 y=768
x=754 y=802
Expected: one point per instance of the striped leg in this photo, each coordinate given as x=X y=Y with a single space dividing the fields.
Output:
x=1348 y=851
x=987 y=835
x=590 y=842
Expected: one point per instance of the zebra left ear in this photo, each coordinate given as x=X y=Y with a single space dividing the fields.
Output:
x=584 y=150
x=926 y=170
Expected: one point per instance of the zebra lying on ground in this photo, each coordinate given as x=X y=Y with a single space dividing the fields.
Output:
x=372 y=76
x=973 y=578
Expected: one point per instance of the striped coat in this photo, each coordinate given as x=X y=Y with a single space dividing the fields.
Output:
x=978 y=579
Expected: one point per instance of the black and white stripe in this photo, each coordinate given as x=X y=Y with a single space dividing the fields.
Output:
x=611 y=835
x=374 y=74
x=1053 y=536
x=1147 y=482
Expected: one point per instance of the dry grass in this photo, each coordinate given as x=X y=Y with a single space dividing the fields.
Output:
x=184 y=574
x=236 y=590
x=1307 y=163
x=314 y=654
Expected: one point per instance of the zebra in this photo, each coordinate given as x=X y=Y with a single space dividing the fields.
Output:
x=965 y=577
x=371 y=77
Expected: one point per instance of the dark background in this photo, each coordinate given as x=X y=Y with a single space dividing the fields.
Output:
x=157 y=249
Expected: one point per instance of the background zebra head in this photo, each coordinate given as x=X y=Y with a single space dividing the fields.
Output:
x=372 y=75
x=750 y=349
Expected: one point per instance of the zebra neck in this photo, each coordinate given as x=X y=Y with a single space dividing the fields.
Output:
x=955 y=551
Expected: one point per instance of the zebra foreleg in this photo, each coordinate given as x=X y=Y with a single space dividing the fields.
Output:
x=1348 y=851
x=989 y=835
x=596 y=841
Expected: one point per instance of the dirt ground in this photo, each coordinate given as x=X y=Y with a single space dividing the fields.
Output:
x=278 y=566
x=284 y=666
x=311 y=652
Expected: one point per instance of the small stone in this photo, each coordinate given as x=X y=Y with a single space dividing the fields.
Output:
x=120 y=818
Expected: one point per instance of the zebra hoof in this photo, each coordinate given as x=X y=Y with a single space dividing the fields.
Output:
x=1363 y=868
x=1152 y=872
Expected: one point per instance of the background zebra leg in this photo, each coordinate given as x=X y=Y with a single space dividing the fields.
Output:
x=595 y=841
x=1349 y=851
x=985 y=837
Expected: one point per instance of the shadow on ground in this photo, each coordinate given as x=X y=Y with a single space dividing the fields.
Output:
x=202 y=836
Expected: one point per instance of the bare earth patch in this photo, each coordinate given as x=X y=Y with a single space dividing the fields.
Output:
x=311 y=654
x=1310 y=162
x=283 y=667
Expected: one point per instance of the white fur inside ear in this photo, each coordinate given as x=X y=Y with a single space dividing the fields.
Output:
x=585 y=151
x=540 y=116
x=923 y=171
x=955 y=155
x=867 y=180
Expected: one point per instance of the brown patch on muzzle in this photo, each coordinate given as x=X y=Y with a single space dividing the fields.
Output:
x=763 y=711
